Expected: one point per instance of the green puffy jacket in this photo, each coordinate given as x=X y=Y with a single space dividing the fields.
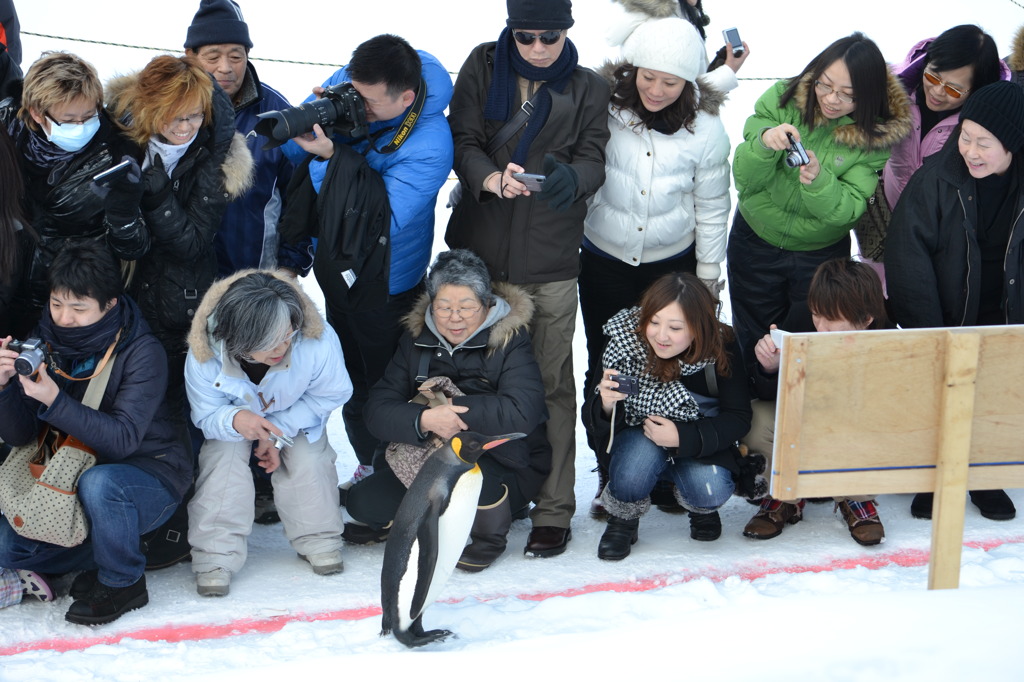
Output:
x=797 y=217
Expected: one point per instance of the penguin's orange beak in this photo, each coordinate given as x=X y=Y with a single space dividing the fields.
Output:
x=500 y=440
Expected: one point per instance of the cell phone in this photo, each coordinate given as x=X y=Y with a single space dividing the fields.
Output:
x=280 y=441
x=112 y=173
x=732 y=39
x=627 y=384
x=533 y=182
x=779 y=337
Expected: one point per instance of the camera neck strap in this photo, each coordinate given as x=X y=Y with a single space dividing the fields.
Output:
x=99 y=368
x=405 y=127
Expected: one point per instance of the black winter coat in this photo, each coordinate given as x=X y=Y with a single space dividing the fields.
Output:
x=62 y=208
x=932 y=258
x=497 y=372
x=183 y=213
x=131 y=425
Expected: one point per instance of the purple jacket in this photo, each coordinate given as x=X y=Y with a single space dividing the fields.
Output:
x=908 y=155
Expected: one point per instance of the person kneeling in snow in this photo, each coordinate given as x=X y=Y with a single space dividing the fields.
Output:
x=263 y=375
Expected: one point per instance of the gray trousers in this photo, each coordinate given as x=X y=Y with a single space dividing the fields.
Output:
x=221 y=512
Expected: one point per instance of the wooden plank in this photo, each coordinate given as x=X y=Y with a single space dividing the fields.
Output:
x=954 y=451
x=789 y=428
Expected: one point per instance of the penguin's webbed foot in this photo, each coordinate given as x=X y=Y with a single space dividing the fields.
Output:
x=415 y=636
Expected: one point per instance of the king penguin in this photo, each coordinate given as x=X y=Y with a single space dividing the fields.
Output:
x=429 y=533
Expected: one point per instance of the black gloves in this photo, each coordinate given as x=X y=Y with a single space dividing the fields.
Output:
x=121 y=199
x=560 y=185
x=156 y=185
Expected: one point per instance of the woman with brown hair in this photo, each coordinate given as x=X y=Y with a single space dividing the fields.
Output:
x=688 y=406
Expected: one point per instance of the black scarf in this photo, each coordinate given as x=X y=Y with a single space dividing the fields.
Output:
x=77 y=350
x=502 y=92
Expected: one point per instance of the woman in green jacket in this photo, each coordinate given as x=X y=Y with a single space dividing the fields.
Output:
x=796 y=211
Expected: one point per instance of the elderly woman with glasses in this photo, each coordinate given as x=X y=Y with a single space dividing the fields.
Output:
x=796 y=209
x=194 y=164
x=64 y=137
x=264 y=372
x=478 y=338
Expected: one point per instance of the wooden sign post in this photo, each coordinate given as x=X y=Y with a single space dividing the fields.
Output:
x=900 y=411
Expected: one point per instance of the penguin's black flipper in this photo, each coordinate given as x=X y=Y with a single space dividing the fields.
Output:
x=415 y=635
x=428 y=538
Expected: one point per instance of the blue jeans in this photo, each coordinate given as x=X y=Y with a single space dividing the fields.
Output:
x=637 y=464
x=122 y=502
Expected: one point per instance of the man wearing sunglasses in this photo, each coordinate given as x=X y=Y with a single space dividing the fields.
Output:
x=532 y=238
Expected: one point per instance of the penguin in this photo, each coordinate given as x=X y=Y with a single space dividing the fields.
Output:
x=429 y=533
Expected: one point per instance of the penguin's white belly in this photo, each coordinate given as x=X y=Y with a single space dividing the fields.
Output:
x=453 y=528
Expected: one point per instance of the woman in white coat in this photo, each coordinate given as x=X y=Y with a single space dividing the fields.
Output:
x=664 y=205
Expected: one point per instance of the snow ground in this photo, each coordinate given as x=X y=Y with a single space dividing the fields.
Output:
x=732 y=609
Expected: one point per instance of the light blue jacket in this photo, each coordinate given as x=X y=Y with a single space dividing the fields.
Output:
x=298 y=394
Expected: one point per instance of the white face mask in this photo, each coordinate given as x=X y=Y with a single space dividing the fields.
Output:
x=72 y=137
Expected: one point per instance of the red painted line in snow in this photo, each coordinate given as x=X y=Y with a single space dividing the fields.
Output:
x=249 y=626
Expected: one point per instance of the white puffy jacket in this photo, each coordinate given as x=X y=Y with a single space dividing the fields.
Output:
x=663 y=192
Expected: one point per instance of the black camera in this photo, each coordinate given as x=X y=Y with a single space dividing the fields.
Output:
x=340 y=110
x=796 y=156
x=31 y=353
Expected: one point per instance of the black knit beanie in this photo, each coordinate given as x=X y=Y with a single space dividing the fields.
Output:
x=539 y=14
x=217 y=22
x=999 y=108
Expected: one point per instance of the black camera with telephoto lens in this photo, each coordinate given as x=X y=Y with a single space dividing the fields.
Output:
x=340 y=110
x=796 y=156
x=31 y=352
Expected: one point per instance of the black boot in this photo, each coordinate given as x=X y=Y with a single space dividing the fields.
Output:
x=104 y=604
x=488 y=536
x=705 y=527
x=618 y=538
x=921 y=507
x=994 y=504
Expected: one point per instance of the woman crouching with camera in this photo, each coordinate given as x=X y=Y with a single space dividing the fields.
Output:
x=681 y=422
x=804 y=172
x=89 y=328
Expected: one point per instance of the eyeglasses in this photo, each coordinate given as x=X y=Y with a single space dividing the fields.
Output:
x=77 y=123
x=445 y=313
x=193 y=120
x=951 y=90
x=547 y=37
x=826 y=90
x=286 y=339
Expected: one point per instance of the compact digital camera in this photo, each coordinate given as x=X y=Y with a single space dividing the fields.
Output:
x=796 y=156
x=31 y=352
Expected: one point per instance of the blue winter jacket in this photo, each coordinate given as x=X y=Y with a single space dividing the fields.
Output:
x=248 y=235
x=413 y=174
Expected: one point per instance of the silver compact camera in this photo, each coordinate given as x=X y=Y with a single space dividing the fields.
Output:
x=796 y=156
x=280 y=441
x=31 y=353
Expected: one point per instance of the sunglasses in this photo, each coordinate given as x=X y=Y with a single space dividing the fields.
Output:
x=547 y=37
x=954 y=92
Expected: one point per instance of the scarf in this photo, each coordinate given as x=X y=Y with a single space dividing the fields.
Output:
x=626 y=353
x=77 y=350
x=170 y=154
x=502 y=92
x=42 y=153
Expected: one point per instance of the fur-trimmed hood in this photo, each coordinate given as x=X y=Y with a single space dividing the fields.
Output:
x=1016 y=59
x=710 y=98
x=238 y=167
x=501 y=332
x=199 y=341
x=890 y=131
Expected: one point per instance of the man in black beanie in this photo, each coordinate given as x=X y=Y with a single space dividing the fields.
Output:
x=219 y=39
x=532 y=238
x=954 y=254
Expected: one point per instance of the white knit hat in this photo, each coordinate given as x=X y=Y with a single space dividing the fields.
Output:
x=671 y=45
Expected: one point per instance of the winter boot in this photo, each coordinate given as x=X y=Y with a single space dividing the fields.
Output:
x=356 y=533
x=618 y=538
x=773 y=516
x=36 y=584
x=664 y=498
x=597 y=509
x=488 y=536
x=862 y=519
x=705 y=527
x=104 y=604
x=994 y=504
x=921 y=507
